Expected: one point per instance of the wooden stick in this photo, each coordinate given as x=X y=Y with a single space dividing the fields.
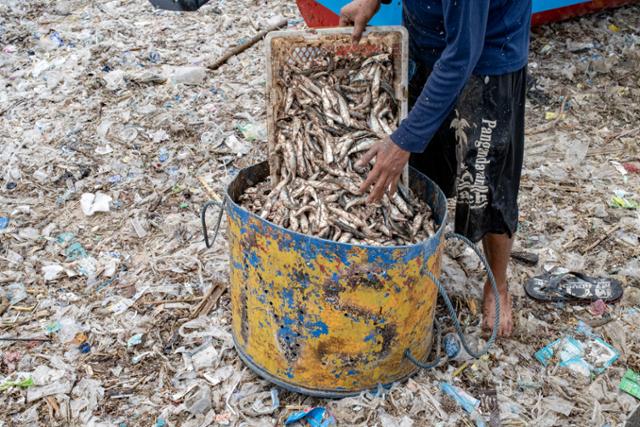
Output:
x=24 y=339
x=170 y=301
x=209 y=190
x=209 y=300
x=627 y=132
x=21 y=308
x=4 y=304
x=54 y=405
x=246 y=45
x=602 y=239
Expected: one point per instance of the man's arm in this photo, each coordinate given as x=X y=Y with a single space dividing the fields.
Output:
x=465 y=26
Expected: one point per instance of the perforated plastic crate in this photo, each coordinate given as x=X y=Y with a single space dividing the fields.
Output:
x=300 y=47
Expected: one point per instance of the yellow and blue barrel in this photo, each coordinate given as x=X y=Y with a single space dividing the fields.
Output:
x=325 y=318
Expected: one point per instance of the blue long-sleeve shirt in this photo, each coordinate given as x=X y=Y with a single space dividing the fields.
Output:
x=458 y=38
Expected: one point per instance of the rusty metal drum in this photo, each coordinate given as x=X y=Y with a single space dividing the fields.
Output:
x=325 y=318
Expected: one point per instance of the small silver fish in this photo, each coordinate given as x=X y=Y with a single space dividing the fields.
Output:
x=402 y=205
x=347 y=217
x=363 y=145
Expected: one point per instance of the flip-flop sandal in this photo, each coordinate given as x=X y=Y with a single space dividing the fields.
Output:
x=572 y=286
x=526 y=258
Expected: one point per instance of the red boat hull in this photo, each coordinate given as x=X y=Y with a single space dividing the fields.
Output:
x=318 y=16
x=568 y=12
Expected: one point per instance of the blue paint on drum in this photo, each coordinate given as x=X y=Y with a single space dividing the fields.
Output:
x=317 y=329
x=287 y=295
x=254 y=260
x=289 y=373
x=430 y=247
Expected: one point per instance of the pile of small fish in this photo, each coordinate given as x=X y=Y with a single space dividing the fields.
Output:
x=330 y=111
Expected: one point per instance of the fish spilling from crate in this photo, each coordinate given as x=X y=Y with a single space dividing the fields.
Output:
x=331 y=109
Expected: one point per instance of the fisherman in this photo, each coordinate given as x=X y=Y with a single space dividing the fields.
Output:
x=465 y=130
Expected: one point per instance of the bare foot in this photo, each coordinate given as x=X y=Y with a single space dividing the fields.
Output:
x=489 y=311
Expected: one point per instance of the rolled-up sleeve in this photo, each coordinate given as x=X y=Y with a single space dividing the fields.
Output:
x=465 y=27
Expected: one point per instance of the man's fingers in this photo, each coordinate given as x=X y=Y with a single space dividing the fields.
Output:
x=358 y=29
x=371 y=178
x=394 y=184
x=366 y=158
x=379 y=189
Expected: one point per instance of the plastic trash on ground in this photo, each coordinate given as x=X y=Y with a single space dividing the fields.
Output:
x=92 y=203
x=314 y=417
x=583 y=354
x=630 y=383
x=469 y=403
x=113 y=97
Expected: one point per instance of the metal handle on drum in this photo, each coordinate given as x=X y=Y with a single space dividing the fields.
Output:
x=452 y=312
x=203 y=219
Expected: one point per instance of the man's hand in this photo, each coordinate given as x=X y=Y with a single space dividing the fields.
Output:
x=358 y=13
x=390 y=162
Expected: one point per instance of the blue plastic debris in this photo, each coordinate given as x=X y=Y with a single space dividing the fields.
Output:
x=469 y=403
x=451 y=345
x=154 y=57
x=160 y=422
x=584 y=353
x=163 y=155
x=85 y=347
x=57 y=39
x=75 y=251
x=315 y=417
x=4 y=222
x=65 y=237
x=134 y=340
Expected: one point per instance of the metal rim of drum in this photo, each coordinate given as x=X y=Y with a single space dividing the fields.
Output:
x=334 y=394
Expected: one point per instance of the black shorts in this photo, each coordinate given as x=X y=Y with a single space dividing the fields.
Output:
x=477 y=153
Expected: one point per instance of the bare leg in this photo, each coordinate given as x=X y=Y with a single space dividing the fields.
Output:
x=497 y=249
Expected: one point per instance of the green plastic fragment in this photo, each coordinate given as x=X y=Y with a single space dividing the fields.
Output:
x=630 y=387
x=633 y=376
x=25 y=383
x=631 y=383
x=624 y=203
x=52 y=327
